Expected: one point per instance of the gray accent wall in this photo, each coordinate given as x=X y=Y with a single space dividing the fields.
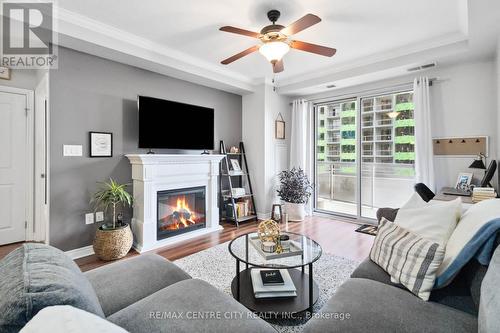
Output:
x=88 y=93
x=21 y=78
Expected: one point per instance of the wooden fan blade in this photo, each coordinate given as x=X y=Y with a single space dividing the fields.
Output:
x=239 y=31
x=240 y=55
x=303 y=23
x=313 y=48
x=278 y=66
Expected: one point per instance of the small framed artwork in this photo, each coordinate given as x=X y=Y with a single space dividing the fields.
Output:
x=101 y=144
x=463 y=180
x=4 y=73
x=279 y=125
x=236 y=165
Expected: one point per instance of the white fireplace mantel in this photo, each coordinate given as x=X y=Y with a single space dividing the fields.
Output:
x=152 y=173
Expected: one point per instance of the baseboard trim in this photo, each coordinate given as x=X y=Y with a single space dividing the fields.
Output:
x=80 y=252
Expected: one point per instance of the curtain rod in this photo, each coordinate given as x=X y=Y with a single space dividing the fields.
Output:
x=366 y=91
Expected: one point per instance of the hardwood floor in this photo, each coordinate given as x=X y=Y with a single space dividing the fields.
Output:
x=335 y=237
x=6 y=249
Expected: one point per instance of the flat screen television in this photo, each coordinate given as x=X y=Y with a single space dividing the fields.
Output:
x=174 y=125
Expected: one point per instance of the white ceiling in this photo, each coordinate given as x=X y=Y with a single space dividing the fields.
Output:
x=363 y=31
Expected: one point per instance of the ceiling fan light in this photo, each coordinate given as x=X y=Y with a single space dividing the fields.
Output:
x=274 y=51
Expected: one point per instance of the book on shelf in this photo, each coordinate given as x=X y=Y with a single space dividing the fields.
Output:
x=242 y=209
x=238 y=191
x=287 y=289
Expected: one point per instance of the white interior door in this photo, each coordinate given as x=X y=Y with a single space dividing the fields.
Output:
x=13 y=167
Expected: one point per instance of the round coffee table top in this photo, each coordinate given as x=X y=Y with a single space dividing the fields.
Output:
x=243 y=250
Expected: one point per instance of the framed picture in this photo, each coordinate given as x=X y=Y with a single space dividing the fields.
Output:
x=4 y=73
x=279 y=126
x=463 y=180
x=236 y=165
x=101 y=144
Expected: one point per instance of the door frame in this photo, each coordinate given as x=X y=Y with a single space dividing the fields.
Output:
x=30 y=158
x=42 y=160
x=355 y=216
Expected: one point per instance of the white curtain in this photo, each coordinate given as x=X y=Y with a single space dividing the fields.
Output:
x=424 y=163
x=301 y=140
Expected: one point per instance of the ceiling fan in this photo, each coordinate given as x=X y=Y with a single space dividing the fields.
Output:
x=276 y=40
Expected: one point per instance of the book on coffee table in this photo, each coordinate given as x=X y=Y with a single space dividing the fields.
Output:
x=287 y=289
x=271 y=277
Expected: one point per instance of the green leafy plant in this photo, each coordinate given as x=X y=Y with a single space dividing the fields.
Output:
x=294 y=186
x=110 y=195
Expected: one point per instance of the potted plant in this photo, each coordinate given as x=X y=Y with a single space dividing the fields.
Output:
x=295 y=190
x=113 y=238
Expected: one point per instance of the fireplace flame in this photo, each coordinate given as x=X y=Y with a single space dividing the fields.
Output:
x=181 y=217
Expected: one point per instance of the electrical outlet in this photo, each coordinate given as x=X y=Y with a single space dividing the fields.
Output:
x=99 y=216
x=89 y=218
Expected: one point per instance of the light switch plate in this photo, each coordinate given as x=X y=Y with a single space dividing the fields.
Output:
x=99 y=216
x=72 y=150
x=89 y=218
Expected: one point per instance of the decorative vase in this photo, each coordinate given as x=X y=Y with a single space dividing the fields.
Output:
x=296 y=212
x=112 y=244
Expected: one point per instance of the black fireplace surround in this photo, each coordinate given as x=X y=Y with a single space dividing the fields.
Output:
x=179 y=211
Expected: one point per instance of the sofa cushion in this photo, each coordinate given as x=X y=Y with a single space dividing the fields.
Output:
x=361 y=305
x=65 y=319
x=410 y=259
x=457 y=294
x=189 y=306
x=371 y=271
x=35 y=276
x=387 y=213
x=124 y=282
x=489 y=308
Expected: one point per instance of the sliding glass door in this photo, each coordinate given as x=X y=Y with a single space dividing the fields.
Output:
x=336 y=169
x=385 y=137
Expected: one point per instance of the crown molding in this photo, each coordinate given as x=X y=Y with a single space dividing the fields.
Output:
x=428 y=46
x=87 y=35
x=376 y=63
x=90 y=36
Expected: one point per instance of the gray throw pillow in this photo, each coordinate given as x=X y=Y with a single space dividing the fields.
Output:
x=489 y=305
x=35 y=276
x=408 y=258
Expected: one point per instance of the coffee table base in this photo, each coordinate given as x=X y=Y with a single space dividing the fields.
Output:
x=276 y=306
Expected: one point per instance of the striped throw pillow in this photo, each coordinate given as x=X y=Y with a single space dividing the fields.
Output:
x=408 y=258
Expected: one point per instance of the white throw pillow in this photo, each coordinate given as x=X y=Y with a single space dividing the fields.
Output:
x=65 y=318
x=434 y=222
x=415 y=201
x=474 y=219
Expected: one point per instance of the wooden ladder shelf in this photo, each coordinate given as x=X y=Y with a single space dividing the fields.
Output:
x=241 y=207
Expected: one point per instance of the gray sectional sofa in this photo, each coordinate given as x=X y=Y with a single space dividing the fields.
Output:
x=373 y=303
x=150 y=294
x=142 y=294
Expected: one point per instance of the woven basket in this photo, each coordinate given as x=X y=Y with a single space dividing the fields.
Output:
x=113 y=244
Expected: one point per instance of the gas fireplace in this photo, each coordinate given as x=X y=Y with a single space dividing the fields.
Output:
x=180 y=211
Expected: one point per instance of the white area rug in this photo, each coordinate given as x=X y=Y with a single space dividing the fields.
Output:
x=217 y=267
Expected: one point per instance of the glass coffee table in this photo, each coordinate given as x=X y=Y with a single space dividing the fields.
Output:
x=307 y=290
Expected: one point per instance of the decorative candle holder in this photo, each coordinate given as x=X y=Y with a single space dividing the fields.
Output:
x=269 y=247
